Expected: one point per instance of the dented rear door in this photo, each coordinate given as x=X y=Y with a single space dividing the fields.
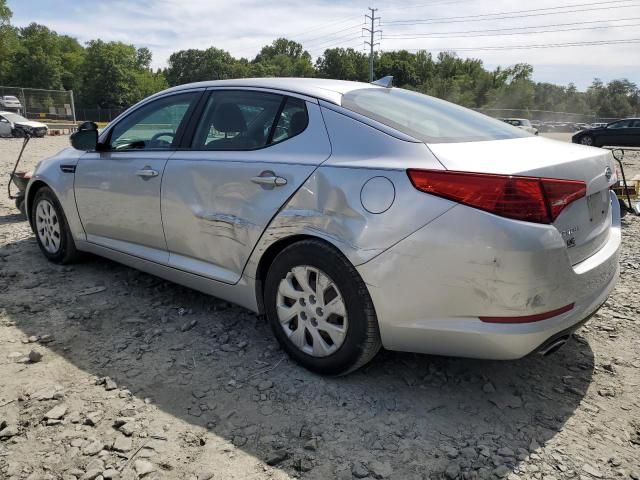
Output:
x=217 y=203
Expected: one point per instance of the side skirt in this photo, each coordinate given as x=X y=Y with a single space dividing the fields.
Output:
x=242 y=293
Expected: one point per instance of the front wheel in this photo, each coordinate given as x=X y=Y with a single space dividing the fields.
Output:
x=51 y=228
x=320 y=309
x=587 y=140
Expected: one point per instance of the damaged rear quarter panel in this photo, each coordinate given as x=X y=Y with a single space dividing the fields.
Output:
x=328 y=204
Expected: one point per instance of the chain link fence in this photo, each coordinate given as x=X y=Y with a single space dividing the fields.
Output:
x=98 y=114
x=539 y=115
x=39 y=104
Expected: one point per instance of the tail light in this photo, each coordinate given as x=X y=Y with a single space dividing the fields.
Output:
x=531 y=199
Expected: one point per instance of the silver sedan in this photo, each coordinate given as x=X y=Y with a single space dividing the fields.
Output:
x=354 y=216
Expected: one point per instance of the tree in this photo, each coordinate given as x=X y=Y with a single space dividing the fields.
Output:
x=115 y=76
x=345 y=64
x=8 y=42
x=400 y=64
x=36 y=62
x=284 y=58
x=282 y=46
x=197 y=65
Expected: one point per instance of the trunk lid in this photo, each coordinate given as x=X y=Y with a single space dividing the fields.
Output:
x=585 y=223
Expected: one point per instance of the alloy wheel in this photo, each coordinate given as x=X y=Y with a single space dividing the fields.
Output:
x=48 y=226
x=311 y=311
x=586 y=140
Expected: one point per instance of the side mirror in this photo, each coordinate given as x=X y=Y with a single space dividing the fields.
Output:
x=86 y=138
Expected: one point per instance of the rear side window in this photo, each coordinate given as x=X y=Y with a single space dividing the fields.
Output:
x=293 y=120
x=248 y=120
x=426 y=118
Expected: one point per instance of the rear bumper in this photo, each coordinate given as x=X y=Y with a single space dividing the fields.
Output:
x=430 y=288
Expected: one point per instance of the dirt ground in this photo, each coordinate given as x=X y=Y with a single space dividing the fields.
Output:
x=139 y=377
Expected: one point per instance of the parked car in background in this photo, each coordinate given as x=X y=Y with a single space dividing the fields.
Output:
x=623 y=133
x=522 y=123
x=14 y=125
x=10 y=103
x=598 y=125
x=343 y=212
x=545 y=127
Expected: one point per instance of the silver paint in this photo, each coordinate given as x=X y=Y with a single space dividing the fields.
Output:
x=377 y=195
x=431 y=266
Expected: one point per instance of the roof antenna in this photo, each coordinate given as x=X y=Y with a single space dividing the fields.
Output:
x=386 y=82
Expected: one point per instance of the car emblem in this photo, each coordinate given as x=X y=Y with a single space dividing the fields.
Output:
x=608 y=173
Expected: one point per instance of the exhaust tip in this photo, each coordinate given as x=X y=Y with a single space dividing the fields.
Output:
x=553 y=346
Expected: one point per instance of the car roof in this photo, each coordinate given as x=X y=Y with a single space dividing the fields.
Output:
x=320 y=88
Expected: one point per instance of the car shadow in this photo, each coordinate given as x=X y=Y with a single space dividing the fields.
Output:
x=216 y=366
x=12 y=218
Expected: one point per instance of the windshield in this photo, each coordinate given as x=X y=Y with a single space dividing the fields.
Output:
x=14 y=117
x=427 y=118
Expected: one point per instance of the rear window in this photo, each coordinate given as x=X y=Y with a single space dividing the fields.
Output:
x=427 y=118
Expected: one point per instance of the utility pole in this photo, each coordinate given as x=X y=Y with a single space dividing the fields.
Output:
x=371 y=43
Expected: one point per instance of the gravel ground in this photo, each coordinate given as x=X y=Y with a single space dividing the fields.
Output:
x=132 y=376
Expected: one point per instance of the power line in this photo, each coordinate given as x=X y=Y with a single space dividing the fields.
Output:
x=423 y=5
x=426 y=35
x=334 y=40
x=511 y=33
x=509 y=15
x=324 y=37
x=347 y=44
x=304 y=33
x=525 y=47
x=327 y=25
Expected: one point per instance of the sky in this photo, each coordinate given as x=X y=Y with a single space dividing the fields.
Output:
x=493 y=31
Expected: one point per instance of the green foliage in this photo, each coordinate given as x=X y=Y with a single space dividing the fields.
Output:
x=115 y=74
x=197 y=65
x=346 y=64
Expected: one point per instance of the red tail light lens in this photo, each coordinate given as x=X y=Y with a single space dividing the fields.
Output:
x=531 y=199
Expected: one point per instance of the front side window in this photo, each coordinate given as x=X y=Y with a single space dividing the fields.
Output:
x=425 y=118
x=153 y=126
x=248 y=120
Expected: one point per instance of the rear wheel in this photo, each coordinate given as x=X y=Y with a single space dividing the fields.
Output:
x=51 y=228
x=320 y=310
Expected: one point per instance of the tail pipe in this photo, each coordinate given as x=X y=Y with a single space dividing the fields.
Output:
x=553 y=345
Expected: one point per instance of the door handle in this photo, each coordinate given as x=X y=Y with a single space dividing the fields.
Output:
x=269 y=179
x=147 y=173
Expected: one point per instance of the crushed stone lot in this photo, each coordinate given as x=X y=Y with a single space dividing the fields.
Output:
x=107 y=372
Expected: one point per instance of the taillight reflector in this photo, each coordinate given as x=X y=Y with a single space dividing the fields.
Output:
x=529 y=318
x=531 y=199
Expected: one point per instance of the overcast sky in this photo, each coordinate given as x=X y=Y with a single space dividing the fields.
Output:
x=242 y=27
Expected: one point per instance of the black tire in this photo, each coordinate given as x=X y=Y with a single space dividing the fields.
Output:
x=588 y=140
x=20 y=205
x=624 y=207
x=362 y=338
x=66 y=252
